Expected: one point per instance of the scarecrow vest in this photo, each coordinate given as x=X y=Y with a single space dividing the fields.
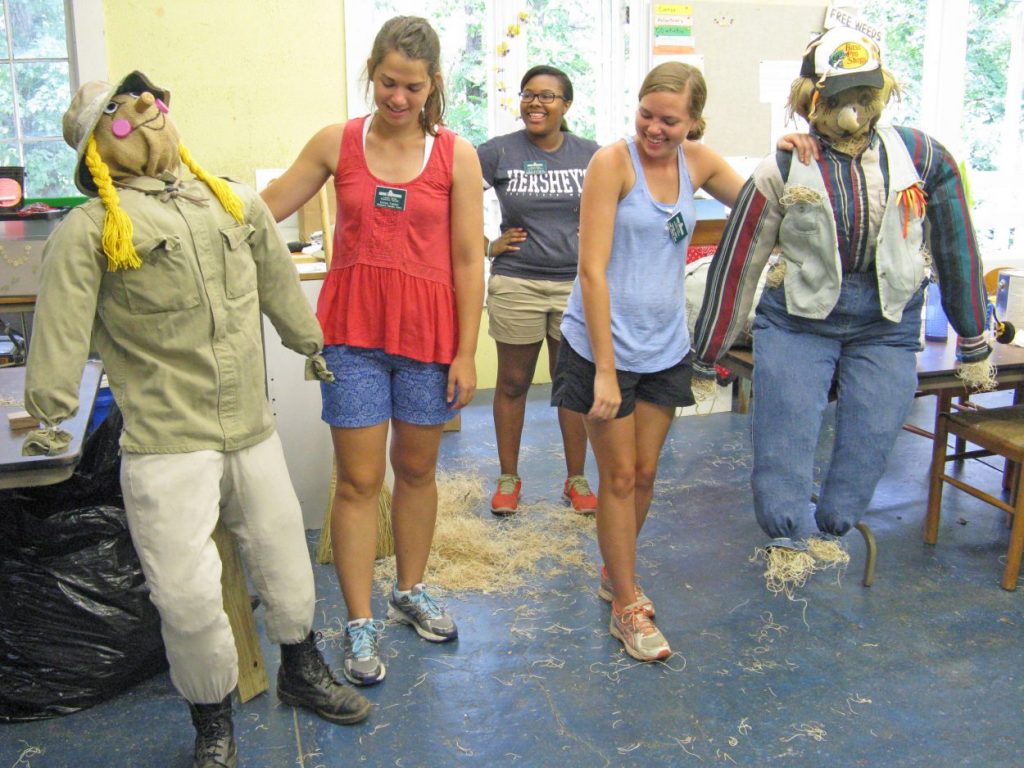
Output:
x=807 y=238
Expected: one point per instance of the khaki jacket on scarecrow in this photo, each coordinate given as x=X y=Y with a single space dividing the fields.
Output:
x=180 y=337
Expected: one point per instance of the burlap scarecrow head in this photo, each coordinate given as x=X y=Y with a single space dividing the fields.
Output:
x=123 y=131
x=842 y=88
x=134 y=134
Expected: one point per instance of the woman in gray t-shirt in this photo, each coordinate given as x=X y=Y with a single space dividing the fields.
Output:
x=537 y=174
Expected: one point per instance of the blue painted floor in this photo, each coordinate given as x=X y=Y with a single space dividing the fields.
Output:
x=921 y=669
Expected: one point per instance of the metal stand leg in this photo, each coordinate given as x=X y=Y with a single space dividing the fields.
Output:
x=869 y=566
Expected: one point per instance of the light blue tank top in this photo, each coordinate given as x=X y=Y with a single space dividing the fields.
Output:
x=645 y=280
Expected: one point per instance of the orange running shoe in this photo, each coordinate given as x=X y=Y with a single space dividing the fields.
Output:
x=505 y=500
x=606 y=593
x=641 y=639
x=578 y=495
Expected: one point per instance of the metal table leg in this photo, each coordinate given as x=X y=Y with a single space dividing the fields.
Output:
x=869 y=566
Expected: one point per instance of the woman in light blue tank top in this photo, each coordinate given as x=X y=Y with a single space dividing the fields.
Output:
x=625 y=362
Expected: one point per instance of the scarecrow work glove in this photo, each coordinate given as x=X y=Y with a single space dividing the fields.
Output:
x=704 y=383
x=974 y=366
x=48 y=441
x=316 y=368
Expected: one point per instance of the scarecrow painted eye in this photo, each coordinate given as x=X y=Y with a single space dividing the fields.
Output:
x=833 y=102
x=111 y=108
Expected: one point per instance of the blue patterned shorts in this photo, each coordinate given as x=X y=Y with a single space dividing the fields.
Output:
x=371 y=386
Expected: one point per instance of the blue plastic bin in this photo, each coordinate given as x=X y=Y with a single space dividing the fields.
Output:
x=100 y=408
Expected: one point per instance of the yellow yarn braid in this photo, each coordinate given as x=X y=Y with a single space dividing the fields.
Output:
x=117 y=227
x=231 y=202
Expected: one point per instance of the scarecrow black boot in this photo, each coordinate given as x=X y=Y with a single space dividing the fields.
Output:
x=215 y=735
x=305 y=680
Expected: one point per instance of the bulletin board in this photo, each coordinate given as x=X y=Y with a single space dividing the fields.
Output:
x=731 y=40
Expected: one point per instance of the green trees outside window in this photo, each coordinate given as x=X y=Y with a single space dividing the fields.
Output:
x=35 y=88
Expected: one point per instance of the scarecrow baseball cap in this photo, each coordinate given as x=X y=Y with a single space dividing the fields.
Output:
x=842 y=58
x=85 y=112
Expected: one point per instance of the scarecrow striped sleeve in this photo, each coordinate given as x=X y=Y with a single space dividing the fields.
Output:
x=951 y=241
x=749 y=238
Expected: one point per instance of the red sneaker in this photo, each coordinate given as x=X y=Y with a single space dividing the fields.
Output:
x=577 y=494
x=505 y=500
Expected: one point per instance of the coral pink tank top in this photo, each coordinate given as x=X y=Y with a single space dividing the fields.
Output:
x=390 y=283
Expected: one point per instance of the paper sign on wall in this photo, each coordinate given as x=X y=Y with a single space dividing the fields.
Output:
x=841 y=16
x=673 y=28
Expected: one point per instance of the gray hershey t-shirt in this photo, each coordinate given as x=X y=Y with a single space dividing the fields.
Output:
x=540 y=192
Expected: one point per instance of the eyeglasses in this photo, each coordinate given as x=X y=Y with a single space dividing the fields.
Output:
x=544 y=97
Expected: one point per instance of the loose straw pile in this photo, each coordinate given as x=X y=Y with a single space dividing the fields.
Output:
x=474 y=551
x=827 y=553
x=785 y=569
x=788 y=569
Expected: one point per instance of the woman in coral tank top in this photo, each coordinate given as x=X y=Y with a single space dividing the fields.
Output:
x=400 y=310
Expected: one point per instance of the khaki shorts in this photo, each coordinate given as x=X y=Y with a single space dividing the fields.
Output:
x=523 y=311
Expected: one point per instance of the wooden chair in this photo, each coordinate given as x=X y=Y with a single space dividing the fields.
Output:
x=996 y=432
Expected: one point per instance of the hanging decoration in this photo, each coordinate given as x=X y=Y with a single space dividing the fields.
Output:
x=507 y=101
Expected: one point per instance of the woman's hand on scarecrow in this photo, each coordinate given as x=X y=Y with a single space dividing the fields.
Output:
x=805 y=145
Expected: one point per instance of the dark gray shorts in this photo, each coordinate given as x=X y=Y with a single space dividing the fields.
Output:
x=572 y=385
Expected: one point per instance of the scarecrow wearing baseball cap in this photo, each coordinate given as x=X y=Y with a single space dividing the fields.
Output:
x=857 y=232
x=165 y=276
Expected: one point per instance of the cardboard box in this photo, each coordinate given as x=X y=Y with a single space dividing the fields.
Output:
x=21 y=253
x=21 y=262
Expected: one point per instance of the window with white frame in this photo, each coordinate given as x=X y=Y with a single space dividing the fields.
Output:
x=487 y=46
x=47 y=48
x=960 y=65
x=35 y=88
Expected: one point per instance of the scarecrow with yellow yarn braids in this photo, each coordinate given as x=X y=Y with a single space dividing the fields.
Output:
x=857 y=232
x=165 y=276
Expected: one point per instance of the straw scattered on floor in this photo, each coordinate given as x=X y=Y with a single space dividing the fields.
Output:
x=474 y=551
x=827 y=553
x=785 y=569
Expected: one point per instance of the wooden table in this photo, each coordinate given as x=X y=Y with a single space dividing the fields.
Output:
x=17 y=471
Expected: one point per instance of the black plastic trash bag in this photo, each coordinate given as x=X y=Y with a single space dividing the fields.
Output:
x=76 y=623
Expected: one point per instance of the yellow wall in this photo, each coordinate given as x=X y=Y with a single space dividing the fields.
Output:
x=251 y=81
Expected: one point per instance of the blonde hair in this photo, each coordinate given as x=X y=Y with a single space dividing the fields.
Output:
x=117 y=227
x=220 y=188
x=676 y=77
x=118 y=230
x=414 y=38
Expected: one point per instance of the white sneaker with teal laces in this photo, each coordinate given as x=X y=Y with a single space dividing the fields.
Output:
x=362 y=652
x=419 y=609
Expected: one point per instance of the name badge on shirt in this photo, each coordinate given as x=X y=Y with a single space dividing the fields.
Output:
x=677 y=227
x=391 y=198
x=534 y=166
